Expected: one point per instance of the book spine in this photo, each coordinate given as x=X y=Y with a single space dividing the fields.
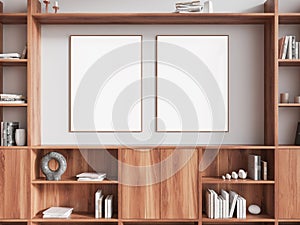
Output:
x=264 y=166
x=285 y=47
x=290 y=48
x=293 y=47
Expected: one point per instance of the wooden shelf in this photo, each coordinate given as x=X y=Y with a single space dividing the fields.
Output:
x=249 y=218
x=154 y=18
x=240 y=147
x=13 y=18
x=72 y=147
x=75 y=217
x=13 y=105
x=288 y=147
x=289 y=18
x=73 y=181
x=217 y=180
x=13 y=62
x=289 y=62
x=13 y=221
x=14 y=147
x=289 y=105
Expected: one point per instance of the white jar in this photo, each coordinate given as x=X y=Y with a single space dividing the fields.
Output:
x=20 y=137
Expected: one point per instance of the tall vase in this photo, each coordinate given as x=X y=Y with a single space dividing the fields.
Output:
x=297 y=139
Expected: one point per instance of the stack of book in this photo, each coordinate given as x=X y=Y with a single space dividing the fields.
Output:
x=12 y=99
x=57 y=213
x=224 y=206
x=289 y=48
x=108 y=205
x=188 y=7
x=10 y=56
x=91 y=176
x=257 y=168
x=8 y=130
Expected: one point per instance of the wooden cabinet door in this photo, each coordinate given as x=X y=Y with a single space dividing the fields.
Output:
x=289 y=185
x=140 y=187
x=14 y=184
x=179 y=189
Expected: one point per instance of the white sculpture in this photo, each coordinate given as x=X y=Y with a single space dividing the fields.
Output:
x=254 y=209
x=234 y=175
x=223 y=177
x=228 y=177
x=242 y=174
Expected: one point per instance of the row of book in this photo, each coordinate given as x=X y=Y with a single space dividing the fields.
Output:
x=8 y=131
x=12 y=99
x=257 y=168
x=188 y=7
x=100 y=200
x=89 y=176
x=225 y=205
x=288 y=48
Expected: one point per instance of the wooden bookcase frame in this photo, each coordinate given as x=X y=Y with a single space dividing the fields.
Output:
x=37 y=193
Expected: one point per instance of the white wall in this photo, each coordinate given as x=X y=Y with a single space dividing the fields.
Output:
x=246 y=85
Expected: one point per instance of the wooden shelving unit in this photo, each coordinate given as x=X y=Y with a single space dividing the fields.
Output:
x=173 y=201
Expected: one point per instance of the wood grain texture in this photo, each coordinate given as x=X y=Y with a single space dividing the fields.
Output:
x=271 y=82
x=14 y=188
x=179 y=172
x=13 y=18
x=34 y=75
x=271 y=6
x=153 y=18
x=1 y=67
x=288 y=184
x=140 y=191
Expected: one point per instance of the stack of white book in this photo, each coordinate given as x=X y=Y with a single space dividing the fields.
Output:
x=91 y=176
x=188 y=7
x=10 y=56
x=108 y=205
x=224 y=205
x=57 y=213
x=12 y=98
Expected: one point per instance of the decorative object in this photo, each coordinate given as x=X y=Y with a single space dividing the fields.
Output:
x=223 y=177
x=62 y=166
x=284 y=97
x=297 y=99
x=8 y=131
x=242 y=174
x=297 y=139
x=234 y=175
x=192 y=98
x=228 y=177
x=208 y=7
x=46 y=2
x=20 y=137
x=106 y=83
x=254 y=209
x=189 y=7
x=56 y=7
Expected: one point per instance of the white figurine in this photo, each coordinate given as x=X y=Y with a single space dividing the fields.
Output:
x=234 y=175
x=208 y=7
x=228 y=177
x=242 y=174
x=223 y=177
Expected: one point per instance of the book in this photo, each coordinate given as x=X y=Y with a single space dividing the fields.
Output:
x=254 y=167
x=90 y=179
x=215 y=205
x=8 y=130
x=297 y=50
x=285 y=47
x=232 y=202
x=109 y=206
x=225 y=195
x=57 y=212
x=264 y=170
x=91 y=175
x=290 y=48
x=244 y=208
x=293 y=39
x=10 y=56
x=281 y=43
x=238 y=207
x=98 y=207
x=12 y=102
x=208 y=198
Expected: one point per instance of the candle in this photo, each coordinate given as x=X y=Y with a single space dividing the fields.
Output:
x=56 y=4
x=284 y=98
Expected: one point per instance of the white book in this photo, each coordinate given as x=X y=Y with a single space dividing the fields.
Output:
x=220 y=207
x=91 y=175
x=285 y=47
x=110 y=207
x=224 y=212
x=254 y=167
x=90 y=179
x=58 y=211
x=225 y=195
x=297 y=51
x=98 y=195
x=56 y=217
x=290 y=48
x=215 y=204
x=244 y=208
x=239 y=208
x=208 y=200
x=10 y=55
x=12 y=102
x=232 y=202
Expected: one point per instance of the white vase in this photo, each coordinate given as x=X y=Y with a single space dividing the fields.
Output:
x=20 y=137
